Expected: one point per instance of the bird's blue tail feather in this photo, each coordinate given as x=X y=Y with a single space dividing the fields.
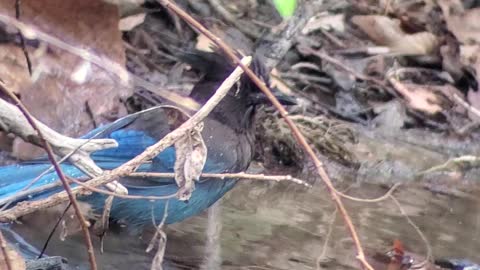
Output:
x=16 y=178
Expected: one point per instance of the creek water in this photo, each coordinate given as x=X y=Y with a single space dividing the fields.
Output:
x=270 y=225
x=281 y=226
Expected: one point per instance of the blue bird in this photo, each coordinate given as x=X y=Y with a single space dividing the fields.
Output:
x=457 y=264
x=228 y=133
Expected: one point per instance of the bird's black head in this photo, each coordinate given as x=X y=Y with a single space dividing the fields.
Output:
x=238 y=107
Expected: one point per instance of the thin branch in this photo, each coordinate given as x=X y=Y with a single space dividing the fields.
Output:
x=6 y=256
x=379 y=199
x=429 y=256
x=339 y=64
x=130 y=166
x=50 y=235
x=296 y=132
x=58 y=169
x=222 y=176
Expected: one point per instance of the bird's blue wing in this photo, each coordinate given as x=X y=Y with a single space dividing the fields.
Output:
x=134 y=133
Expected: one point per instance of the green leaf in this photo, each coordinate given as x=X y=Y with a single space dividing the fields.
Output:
x=286 y=8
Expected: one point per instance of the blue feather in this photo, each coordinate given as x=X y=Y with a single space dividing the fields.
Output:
x=131 y=142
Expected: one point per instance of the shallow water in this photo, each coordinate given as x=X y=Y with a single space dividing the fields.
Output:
x=268 y=225
x=280 y=226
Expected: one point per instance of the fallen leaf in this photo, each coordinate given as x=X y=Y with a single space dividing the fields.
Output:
x=462 y=23
x=63 y=84
x=191 y=155
x=418 y=97
x=422 y=43
x=381 y=29
x=325 y=21
x=387 y=32
x=197 y=156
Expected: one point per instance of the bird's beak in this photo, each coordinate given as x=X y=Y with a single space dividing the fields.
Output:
x=261 y=98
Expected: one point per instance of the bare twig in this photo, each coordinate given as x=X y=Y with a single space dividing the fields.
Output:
x=429 y=256
x=296 y=132
x=58 y=169
x=323 y=254
x=159 y=237
x=379 y=199
x=221 y=176
x=133 y=164
x=6 y=256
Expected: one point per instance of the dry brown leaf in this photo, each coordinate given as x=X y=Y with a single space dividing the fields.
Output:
x=464 y=24
x=418 y=97
x=63 y=83
x=190 y=158
x=387 y=31
x=381 y=29
x=197 y=156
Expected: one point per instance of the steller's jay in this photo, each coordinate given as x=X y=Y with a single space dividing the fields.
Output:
x=228 y=133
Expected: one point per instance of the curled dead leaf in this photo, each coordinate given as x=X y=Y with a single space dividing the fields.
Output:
x=198 y=156
x=190 y=153
x=326 y=21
